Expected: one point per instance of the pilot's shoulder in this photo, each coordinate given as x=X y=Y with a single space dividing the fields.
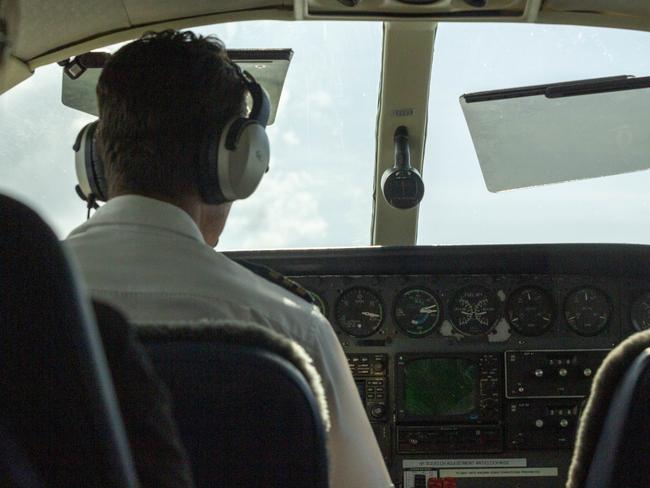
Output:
x=276 y=278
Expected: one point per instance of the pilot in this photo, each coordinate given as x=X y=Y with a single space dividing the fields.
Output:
x=159 y=457
x=149 y=249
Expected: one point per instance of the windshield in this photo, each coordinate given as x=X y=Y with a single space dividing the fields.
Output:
x=319 y=189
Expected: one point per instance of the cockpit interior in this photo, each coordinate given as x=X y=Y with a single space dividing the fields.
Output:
x=457 y=188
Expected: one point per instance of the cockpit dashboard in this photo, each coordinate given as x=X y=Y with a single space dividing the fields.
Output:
x=474 y=362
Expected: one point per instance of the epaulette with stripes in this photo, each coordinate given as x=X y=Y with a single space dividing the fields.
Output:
x=280 y=280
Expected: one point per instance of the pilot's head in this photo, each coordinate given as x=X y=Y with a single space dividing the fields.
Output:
x=8 y=21
x=159 y=97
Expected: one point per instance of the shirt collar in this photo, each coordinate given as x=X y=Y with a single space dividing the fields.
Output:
x=146 y=212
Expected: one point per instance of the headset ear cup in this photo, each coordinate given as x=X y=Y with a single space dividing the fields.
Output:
x=99 y=181
x=243 y=158
x=208 y=173
x=89 y=165
x=232 y=162
x=80 y=161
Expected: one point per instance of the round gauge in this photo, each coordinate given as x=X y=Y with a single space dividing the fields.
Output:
x=640 y=312
x=530 y=311
x=319 y=302
x=474 y=310
x=587 y=311
x=417 y=312
x=359 y=312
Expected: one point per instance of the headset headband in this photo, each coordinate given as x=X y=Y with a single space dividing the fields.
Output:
x=261 y=109
x=232 y=159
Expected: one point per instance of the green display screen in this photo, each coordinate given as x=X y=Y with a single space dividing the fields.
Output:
x=440 y=387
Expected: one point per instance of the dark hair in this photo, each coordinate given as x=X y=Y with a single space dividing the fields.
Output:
x=159 y=97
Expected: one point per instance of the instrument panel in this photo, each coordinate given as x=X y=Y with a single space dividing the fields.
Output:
x=470 y=308
x=474 y=363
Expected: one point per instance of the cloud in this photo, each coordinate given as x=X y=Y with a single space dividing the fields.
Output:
x=320 y=98
x=291 y=138
x=284 y=212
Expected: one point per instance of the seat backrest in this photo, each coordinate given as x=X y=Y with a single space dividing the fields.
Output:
x=16 y=470
x=613 y=442
x=57 y=402
x=623 y=451
x=248 y=404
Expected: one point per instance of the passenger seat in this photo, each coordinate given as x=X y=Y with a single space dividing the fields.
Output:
x=248 y=402
x=60 y=419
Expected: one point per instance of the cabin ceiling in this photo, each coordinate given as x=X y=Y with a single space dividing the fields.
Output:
x=47 y=26
x=55 y=26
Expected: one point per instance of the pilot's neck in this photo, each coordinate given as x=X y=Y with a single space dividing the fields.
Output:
x=209 y=218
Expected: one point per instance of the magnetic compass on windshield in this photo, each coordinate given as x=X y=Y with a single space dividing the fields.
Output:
x=474 y=310
x=359 y=312
x=417 y=312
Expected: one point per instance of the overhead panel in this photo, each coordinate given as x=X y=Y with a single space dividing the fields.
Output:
x=403 y=101
x=446 y=10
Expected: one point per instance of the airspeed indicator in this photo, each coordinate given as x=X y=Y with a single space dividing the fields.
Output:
x=359 y=312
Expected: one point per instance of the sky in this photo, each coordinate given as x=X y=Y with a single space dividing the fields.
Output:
x=319 y=189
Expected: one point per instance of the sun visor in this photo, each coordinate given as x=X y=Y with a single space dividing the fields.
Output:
x=268 y=66
x=544 y=134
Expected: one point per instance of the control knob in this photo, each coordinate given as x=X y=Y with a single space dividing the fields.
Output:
x=378 y=411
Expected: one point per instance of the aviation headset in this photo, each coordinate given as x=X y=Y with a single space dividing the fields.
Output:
x=231 y=162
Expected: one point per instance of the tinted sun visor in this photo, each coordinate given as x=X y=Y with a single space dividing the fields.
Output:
x=544 y=134
x=268 y=66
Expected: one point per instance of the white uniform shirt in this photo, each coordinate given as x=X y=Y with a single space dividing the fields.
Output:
x=148 y=259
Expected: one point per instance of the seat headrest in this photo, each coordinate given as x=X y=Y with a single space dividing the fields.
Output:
x=603 y=387
x=244 y=333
